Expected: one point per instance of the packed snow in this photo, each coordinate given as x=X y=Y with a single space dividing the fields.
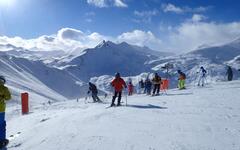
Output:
x=198 y=118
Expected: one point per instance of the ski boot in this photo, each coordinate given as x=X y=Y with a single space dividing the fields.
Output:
x=4 y=143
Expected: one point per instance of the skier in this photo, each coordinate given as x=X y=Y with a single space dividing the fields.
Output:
x=130 y=88
x=181 y=80
x=118 y=83
x=148 y=86
x=141 y=86
x=229 y=73
x=156 y=83
x=202 y=76
x=93 y=89
x=4 y=96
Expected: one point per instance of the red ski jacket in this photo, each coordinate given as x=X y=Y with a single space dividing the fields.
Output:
x=130 y=88
x=118 y=84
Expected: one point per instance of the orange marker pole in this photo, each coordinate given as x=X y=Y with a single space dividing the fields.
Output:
x=25 y=108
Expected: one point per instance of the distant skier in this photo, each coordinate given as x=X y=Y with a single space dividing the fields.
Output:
x=93 y=89
x=141 y=86
x=229 y=73
x=118 y=83
x=148 y=86
x=130 y=88
x=181 y=80
x=5 y=95
x=156 y=83
x=202 y=77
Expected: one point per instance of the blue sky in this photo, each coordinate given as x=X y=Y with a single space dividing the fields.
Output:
x=119 y=19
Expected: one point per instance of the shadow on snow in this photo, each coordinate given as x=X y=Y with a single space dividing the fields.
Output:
x=149 y=106
x=179 y=94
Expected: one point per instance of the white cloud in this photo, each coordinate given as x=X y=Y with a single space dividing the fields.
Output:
x=144 y=16
x=98 y=3
x=91 y=13
x=119 y=3
x=89 y=16
x=107 y=3
x=187 y=36
x=172 y=8
x=198 y=18
x=140 y=38
x=66 y=39
x=145 y=13
x=176 y=9
x=190 y=35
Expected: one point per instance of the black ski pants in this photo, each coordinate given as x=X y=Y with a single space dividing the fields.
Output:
x=156 y=88
x=95 y=97
x=119 y=95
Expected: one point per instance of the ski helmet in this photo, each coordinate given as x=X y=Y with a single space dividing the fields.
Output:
x=117 y=75
x=2 y=80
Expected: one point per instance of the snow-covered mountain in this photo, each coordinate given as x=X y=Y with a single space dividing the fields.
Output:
x=213 y=59
x=107 y=58
x=33 y=54
x=28 y=75
x=67 y=74
x=61 y=74
x=218 y=54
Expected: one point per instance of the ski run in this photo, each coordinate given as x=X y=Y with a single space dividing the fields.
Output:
x=198 y=118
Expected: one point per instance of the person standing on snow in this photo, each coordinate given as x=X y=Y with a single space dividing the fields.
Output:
x=156 y=83
x=118 y=83
x=5 y=95
x=202 y=76
x=148 y=86
x=181 y=80
x=93 y=89
x=229 y=73
x=141 y=86
x=130 y=88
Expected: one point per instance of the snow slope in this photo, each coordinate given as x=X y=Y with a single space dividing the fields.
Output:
x=35 y=77
x=193 y=119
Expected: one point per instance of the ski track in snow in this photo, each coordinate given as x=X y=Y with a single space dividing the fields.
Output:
x=204 y=118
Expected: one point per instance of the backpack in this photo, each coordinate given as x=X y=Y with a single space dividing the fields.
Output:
x=184 y=75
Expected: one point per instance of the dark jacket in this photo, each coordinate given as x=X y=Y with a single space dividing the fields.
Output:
x=156 y=79
x=93 y=88
x=229 y=71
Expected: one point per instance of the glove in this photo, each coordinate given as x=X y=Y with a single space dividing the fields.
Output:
x=2 y=96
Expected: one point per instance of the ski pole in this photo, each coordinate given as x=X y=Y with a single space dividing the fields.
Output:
x=126 y=96
x=126 y=99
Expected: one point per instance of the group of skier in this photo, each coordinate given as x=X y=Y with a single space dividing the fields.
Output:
x=149 y=86
x=146 y=86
